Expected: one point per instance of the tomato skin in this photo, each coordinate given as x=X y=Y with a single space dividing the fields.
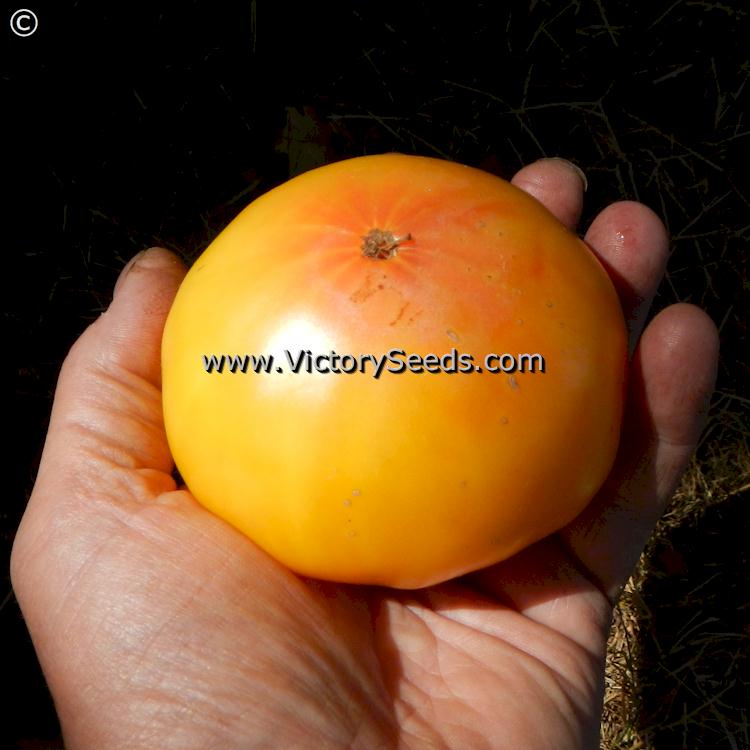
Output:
x=411 y=479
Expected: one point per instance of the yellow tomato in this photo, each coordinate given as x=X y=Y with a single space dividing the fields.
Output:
x=409 y=478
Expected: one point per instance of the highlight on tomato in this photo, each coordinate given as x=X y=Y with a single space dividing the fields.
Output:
x=495 y=413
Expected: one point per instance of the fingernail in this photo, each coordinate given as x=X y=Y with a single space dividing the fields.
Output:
x=575 y=168
x=126 y=270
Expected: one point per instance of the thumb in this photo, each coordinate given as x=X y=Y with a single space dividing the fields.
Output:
x=107 y=408
x=106 y=443
x=128 y=335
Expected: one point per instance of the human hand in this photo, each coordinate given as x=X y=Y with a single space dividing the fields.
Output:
x=159 y=625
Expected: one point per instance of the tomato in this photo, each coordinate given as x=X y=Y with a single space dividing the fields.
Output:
x=410 y=478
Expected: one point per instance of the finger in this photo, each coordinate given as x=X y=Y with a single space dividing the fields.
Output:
x=545 y=585
x=106 y=428
x=129 y=334
x=632 y=244
x=558 y=184
x=673 y=376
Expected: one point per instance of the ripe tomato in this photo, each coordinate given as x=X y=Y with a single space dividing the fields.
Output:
x=413 y=478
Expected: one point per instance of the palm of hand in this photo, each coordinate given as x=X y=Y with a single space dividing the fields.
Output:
x=198 y=615
x=159 y=625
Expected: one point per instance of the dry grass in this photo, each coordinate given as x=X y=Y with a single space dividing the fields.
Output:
x=678 y=660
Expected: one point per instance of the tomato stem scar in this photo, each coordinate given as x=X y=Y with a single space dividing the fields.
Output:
x=381 y=245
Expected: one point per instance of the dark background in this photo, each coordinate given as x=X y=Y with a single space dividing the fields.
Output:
x=126 y=127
